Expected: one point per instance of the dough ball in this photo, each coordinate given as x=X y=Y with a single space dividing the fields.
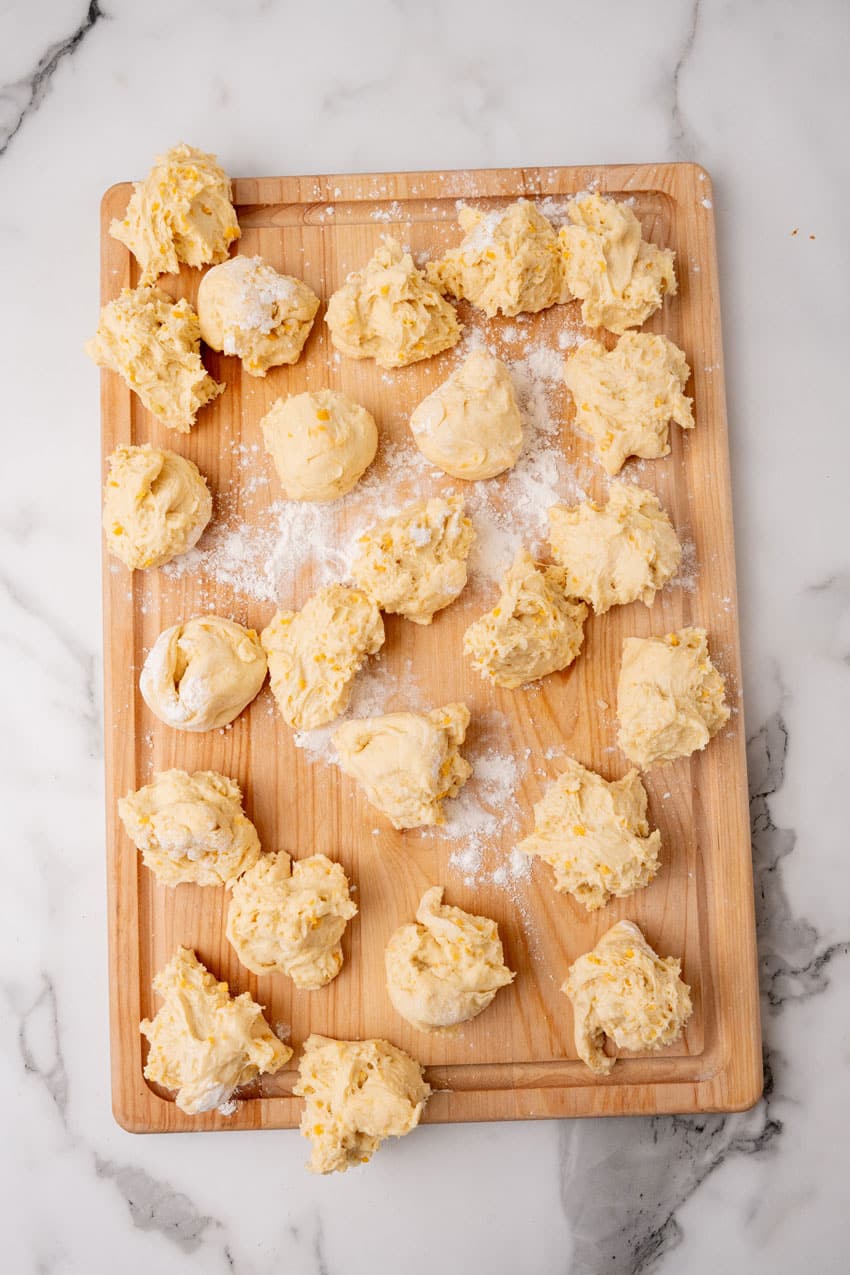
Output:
x=618 y=552
x=414 y=563
x=199 y=675
x=156 y=505
x=508 y=261
x=191 y=828
x=154 y=344
x=595 y=835
x=407 y=763
x=246 y=308
x=321 y=443
x=625 y=398
x=619 y=278
x=624 y=990
x=670 y=697
x=204 y=1043
x=447 y=967
x=315 y=654
x=533 y=629
x=287 y=918
x=470 y=425
x=356 y=1093
x=389 y=312
x=182 y=211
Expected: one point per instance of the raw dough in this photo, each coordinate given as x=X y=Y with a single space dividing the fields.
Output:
x=625 y=398
x=287 y=918
x=407 y=763
x=670 y=697
x=389 y=312
x=624 y=990
x=620 y=279
x=182 y=211
x=509 y=260
x=191 y=828
x=246 y=308
x=447 y=967
x=321 y=443
x=533 y=629
x=356 y=1093
x=617 y=552
x=315 y=654
x=470 y=425
x=156 y=505
x=199 y=675
x=154 y=344
x=204 y=1043
x=595 y=835
x=414 y=563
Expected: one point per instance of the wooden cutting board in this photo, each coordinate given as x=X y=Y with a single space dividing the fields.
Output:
x=517 y=1060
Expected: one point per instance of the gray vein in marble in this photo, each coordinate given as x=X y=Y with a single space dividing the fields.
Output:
x=155 y=1206
x=23 y=97
x=38 y=1040
x=682 y=141
x=623 y=1182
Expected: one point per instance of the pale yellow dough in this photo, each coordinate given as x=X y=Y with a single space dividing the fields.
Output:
x=595 y=835
x=191 y=828
x=182 y=211
x=407 y=763
x=205 y=1043
x=624 y=990
x=315 y=654
x=246 y=308
x=156 y=505
x=618 y=552
x=289 y=918
x=533 y=629
x=625 y=398
x=470 y=425
x=620 y=278
x=508 y=261
x=447 y=967
x=356 y=1093
x=154 y=344
x=199 y=675
x=321 y=443
x=414 y=563
x=389 y=312
x=670 y=697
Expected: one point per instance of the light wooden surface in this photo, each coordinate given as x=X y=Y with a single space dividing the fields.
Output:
x=517 y=1060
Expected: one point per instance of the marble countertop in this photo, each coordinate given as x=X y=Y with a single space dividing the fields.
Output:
x=758 y=94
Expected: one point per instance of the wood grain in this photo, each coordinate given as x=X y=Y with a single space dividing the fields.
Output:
x=518 y=1059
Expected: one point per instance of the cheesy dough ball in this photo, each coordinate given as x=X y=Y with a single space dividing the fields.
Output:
x=204 y=1043
x=414 y=563
x=595 y=835
x=618 y=552
x=191 y=828
x=156 y=505
x=670 y=697
x=508 y=262
x=407 y=763
x=356 y=1093
x=447 y=967
x=246 y=308
x=287 y=918
x=619 y=278
x=321 y=443
x=533 y=629
x=154 y=344
x=182 y=211
x=389 y=312
x=199 y=675
x=470 y=425
x=625 y=991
